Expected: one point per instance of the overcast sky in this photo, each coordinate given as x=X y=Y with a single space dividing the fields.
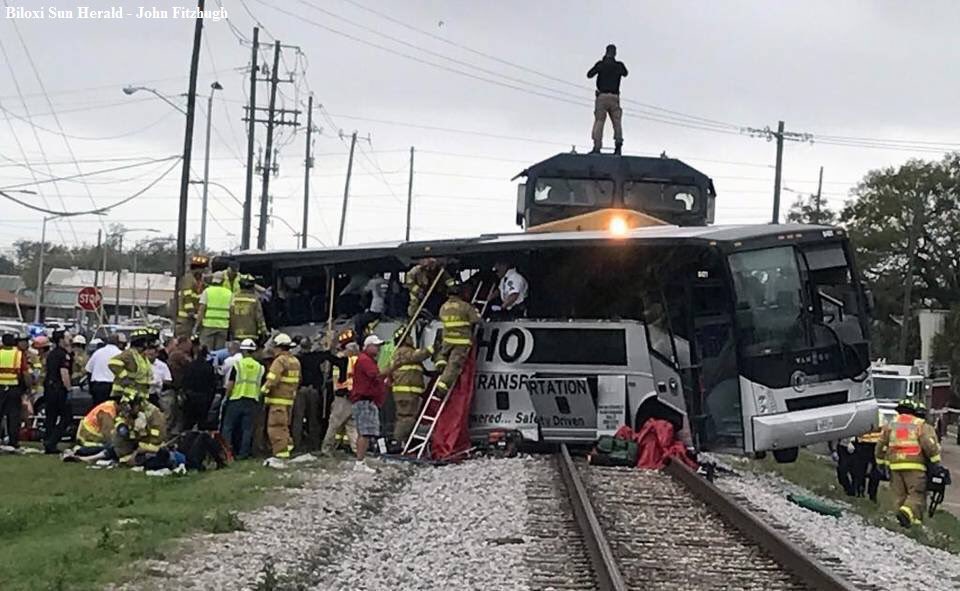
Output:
x=878 y=70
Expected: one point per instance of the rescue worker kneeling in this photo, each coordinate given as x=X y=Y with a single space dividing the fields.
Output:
x=280 y=390
x=906 y=445
x=140 y=431
x=407 y=379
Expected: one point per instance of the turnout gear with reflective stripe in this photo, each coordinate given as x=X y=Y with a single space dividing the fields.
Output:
x=283 y=380
x=249 y=375
x=406 y=370
x=246 y=316
x=458 y=318
x=345 y=383
x=907 y=443
x=418 y=281
x=188 y=300
x=79 y=368
x=132 y=374
x=96 y=428
x=11 y=364
x=873 y=436
x=148 y=437
x=216 y=312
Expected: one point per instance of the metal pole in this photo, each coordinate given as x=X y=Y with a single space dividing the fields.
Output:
x=264 y=193
x=778 y=174
x=346 y=189
x=819 y=220
x=133 y=296
x=96 y=271
x=206 y=175
x=248 y=197
x=409 y=196
x=43 y=247
x=187 y=153
x=307 y=165
x=116 y=303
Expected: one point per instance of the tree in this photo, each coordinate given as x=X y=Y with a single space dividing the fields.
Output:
x=7 y=266
x=810 y=210
x=946 y=347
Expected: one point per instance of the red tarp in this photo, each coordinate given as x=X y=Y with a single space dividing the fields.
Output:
x=657 y=444
x=452 y=434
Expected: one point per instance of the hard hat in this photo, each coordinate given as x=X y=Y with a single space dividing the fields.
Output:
x=41 y=342
x=346 y=335
x=146 y=336
x=399 y=333
x=199 y=262
x=96 y=342
x=217 y=278
x=907 y=405
x=248 y=345
x=79 y=340
x=282 y=340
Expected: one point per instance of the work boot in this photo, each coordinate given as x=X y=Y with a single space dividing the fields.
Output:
x=617 y=149
x=903 y=517
x=360 y=466
x=595 y=150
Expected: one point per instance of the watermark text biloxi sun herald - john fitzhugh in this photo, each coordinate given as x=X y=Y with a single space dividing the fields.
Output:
x=115 y=12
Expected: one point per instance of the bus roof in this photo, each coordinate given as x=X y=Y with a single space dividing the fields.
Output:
x=730 y=237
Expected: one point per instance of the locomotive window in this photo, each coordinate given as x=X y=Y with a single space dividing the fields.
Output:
x=639 y=195
x=575 y=192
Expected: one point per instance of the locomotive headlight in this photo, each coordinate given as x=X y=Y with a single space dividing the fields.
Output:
x=618 y=226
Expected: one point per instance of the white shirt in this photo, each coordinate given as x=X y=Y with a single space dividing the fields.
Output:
x=228 y=364
x=513 y=283
x=97 y=364
x=378 y=291
x=161 y=375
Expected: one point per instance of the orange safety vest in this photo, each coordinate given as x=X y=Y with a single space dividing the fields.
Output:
x=904 y=451
x=11 y=362
x=89 y=431
x=347 y=383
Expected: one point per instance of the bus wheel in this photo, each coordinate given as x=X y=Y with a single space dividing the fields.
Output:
x=759 y=455
x=786 y=456
x=652 y=408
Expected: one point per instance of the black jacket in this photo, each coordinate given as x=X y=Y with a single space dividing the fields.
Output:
x=608 y=72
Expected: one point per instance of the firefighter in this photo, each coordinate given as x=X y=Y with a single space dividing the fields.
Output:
x=866 y=476
x=14 y=382
x=132 y=371
x=406 y=373
x=213 y=314
x=37 y=356
x=139 y=429
x=280 y=390
x=96 y=428
x=80 y=357
x=232 y=276
x=906 y=445
x=191 y=286
x=419 y=279
x=458 y=317
x=246 y=312
x=341 y=411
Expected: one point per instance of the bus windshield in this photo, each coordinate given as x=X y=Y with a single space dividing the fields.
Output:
x=768 y=302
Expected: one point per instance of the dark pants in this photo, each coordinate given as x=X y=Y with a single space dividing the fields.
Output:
x=196 y=407
x=57 y=420
x=238 y=426
x=305 y=426
x=10 y=409
x=100 y=391
x=845 y=470
x=864 y=469
x=360 y=324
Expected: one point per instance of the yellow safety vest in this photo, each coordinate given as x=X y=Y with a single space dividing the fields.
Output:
x=217 y=311
x=247 y=384
x=347 y=383
x=11 y=360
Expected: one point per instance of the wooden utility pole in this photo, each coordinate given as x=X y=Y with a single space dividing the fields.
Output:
x=267 y=168
x=251 y=128
x=409 y=196
x=307 y=165
x=187 y=153
x=819 y=208
x=346 y=189
x=778 y=174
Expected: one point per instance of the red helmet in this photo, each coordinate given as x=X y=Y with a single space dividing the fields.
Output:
x=41 y=342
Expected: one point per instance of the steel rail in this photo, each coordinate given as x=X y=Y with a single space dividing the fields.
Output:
x=604 y=563
x=793 y=558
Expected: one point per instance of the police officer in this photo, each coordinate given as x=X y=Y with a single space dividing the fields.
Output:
x=407 y=378
x=14 y=382
x=905 y=446
x=458 y=317
x=243 y=399
x=419 y=279
x=246 y=312
x=280 y=390
x=132 y=371
x=191 y=286
x=213 y=314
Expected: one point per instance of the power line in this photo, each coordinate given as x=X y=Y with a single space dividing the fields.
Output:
x=87 y=138
x=86 y=174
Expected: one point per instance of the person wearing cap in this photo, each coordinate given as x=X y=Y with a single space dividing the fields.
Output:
x=246 y=312
x=906 y=447
x=56 y=385
x=458 y=317
x=243 y=398
x=280 y=390
x=367 y=396
x=14 y=382
x=98 y=366
x=37 y=352
x=511 y=292
x=419 y=279
x=341 y=411
x=80 y=357
x=191 y=286
x=132 y=371
x=213 y=314
x=406 y=372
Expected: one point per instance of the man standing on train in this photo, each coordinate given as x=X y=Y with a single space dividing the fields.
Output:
x=608 y=71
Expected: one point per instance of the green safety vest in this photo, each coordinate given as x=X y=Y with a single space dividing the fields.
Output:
x=11 y=360
x=217 y=311
x=247 y=384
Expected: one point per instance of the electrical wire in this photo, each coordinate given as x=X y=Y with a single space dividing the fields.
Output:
x=87 y=138
x=96 y=172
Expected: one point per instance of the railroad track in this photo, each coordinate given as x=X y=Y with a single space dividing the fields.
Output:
x=663 y=531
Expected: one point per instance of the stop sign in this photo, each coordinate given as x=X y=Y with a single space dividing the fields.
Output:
x=89 y=298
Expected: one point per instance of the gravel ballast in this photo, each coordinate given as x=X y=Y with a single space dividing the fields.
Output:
x=881 y=558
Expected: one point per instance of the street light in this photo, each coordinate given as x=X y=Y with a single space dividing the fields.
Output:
x=43 y=248
x=120 y=233
x=206 y=166
x=130 y=89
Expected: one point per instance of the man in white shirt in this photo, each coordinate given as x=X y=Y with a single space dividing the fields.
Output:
x=101 y=377
x=234 y=355
x=377 y=287
x=512 y=292
x=162 y=378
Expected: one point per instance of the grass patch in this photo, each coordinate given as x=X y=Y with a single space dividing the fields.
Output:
x=63 y=526
x=818 y=474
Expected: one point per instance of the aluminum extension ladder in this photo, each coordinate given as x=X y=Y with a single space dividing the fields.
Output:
x=418 y=440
